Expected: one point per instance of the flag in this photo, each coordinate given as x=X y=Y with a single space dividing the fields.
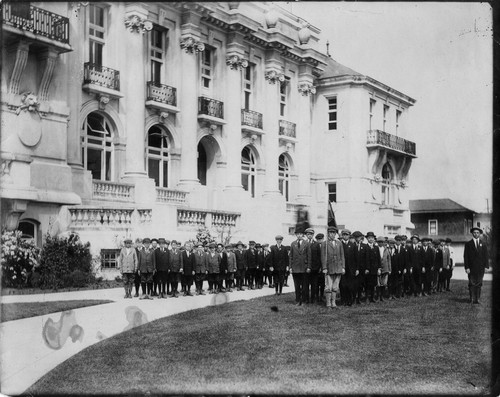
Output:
x=331 y=216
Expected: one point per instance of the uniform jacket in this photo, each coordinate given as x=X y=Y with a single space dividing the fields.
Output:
x=223 y=262
x=279 y=259
x=427 y=258
x=385 y=260
x=241 y=259
x=147 y=261
x=332 y=256
x=414 y=257
x=188 y=263
x=175 y=260
x=231 y=262
x=162 y=260
x=475 y=259
x=360 y=257
x=128 y=263
x=200 y=260
x=300 y=258
x=213 y=263
x=315 y=257
x=351 y=264
x=251 y=256
x=398 y=260
x=373 y=262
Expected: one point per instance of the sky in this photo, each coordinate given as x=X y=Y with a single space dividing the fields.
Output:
x=439 y=54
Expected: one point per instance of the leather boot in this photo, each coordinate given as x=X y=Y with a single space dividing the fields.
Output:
x=334 y=297
x=381 y=293
x=328 y=296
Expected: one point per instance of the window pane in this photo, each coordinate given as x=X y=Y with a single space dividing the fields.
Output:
x=252 y=180
x=154 y=137
x=165 y=173
x=108 y=166
x=94 y=163
x=154 y=170
x=27 y=228
x=244 y=181
x=156 y=72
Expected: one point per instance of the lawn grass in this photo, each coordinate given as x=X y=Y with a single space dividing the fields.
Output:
x=16 y=311
x=103 y=284
x=435 y=344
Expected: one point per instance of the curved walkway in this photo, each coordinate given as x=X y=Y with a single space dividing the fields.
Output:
x=26 y=356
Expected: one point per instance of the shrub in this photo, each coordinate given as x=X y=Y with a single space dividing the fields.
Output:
x=62 y=260
x=19 y=258
x=118 y=278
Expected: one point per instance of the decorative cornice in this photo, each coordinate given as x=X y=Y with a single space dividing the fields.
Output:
x=191 y=45
x=272 y=77
x=306 y=89
x=236 y=62
x=136 y=24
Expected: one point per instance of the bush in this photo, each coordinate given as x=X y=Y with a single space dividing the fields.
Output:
x=65 y=262
x=19 y=258
x=118 y=278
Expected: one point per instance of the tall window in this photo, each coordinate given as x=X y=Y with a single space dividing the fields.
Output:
x=247 y=86
x=398 y=118
x=332 y=114
x=284 y=95
x=207 y=68
x=248 y=170
x=284 y=176
x=386 y=112
x=157 y=153
x=157 y=54
x=97 y=146
x=433 y=227
x=332 y=192
x=97 y=28
x=372 y=107
x=386 y=184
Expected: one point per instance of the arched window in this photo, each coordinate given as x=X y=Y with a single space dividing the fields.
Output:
x=284 y=176
x=97 y=146
x=248 y=170
x=29 y=230
x=386 y=184
x=157 y=154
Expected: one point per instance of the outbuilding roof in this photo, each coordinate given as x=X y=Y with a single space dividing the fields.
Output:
x=437 y=205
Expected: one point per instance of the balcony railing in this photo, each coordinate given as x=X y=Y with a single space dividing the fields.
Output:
x=203 y=218
x=112 y=191
x=102 y=76
x=251 y=118
x=164 y=195
x=377 y=137
x=287 y=129
x=100 y=217
x=161 y=93
x=210 y=107
x=36 y=20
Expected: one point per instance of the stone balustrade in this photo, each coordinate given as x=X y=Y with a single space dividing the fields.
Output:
x=203 y=218
x=145 y=215
x=164 y=195
x=83 y=217
x=114 y=191
x=191 y=218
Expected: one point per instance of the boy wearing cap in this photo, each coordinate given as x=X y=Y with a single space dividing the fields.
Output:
x=176 y=268
x=241 y=265
x=251 y=258
x=127 y=264
x=278 y=263
x=300 y=262
x=162 y=266
x=475 y=262
x=188 y=267
x=200 y=268
x=147 y=267
x=231 y=267
x=213 y=267
x=333 y=264
x=373 y=266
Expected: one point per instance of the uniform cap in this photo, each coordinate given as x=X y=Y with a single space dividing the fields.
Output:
x=258 y=245
x=392 y=241
x=265 y=245
x=161 y=240
x=309 y=230
x=127 y=240
x=251 y=242
x=146 y=240
x=154 y=239
x=332 y=229
x=380 y=240
x=346 y=231
x=278 y=237
x=436 y=242
x=357 y=234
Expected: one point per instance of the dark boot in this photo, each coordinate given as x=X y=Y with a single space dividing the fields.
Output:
x=381 y=293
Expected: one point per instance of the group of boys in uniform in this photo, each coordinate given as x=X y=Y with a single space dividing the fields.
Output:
x=351 y=266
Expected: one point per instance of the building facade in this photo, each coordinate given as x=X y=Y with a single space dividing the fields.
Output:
x=156 y=119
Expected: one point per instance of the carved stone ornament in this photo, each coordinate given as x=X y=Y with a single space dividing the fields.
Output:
x=377 y=177
x=403 y=182
x=29 y=102
x=103 y=101
x=306 y=89
x=163 y=117
x=272 y=76
x=191 y=45
x=235 y=62
x=136 y=24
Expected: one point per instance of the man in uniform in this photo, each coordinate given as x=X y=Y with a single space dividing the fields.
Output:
x=127 y=264
x=278 y=264
x=373 y=266
x=475 y=262
x=200 y=268
x=241 y=265
x=175 y=268
x=333 y=265
x=321 y=277
x=300 y=259
x=162 y=267
x=188 y=267
x=147 y=267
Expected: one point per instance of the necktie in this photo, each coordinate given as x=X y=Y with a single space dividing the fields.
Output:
x=298 y=244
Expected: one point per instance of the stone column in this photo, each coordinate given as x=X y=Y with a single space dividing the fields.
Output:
x=232 y=130
x=190 y=47
x=303 y=148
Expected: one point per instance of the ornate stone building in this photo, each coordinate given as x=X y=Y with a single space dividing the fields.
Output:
x=156 y=119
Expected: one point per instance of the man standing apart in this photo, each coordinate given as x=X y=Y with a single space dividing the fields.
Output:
x=127 y=263
x=278 y=264
x=333 y=264
x=300 y=259
x=475 y=261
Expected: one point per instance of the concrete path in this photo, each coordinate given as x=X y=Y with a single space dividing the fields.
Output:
x=25 y=356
